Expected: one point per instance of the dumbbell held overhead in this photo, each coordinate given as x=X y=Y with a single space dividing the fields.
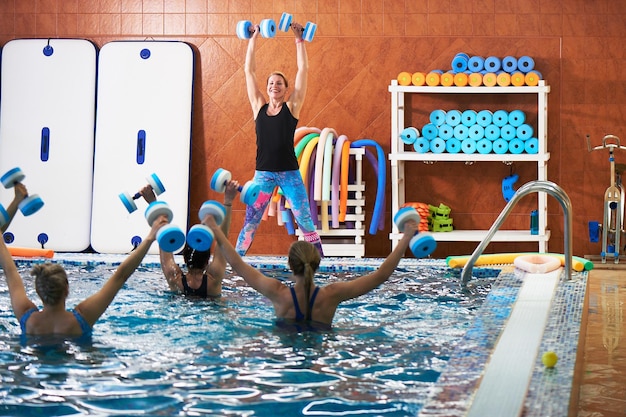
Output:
x=29 y=205
x=245 y=29
x=248 y=193
x=157 y=186
x=170 y=237
x=308 y=32
x=423 y=243
x=200 y=237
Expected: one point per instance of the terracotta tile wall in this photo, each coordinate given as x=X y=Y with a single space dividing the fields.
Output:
x=359 y=47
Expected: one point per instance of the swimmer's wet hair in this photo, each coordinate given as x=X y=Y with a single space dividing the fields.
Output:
x=50 y=283
x=194 y=258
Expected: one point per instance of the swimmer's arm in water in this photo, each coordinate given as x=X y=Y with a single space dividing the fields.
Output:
x=171 y=270
x=217 y=268
x=19 y=300
x=94 y=306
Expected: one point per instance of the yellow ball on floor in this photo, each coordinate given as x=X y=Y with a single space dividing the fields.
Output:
x=549 y=359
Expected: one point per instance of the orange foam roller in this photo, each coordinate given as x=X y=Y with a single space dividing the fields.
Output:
x=30 y=252
x=433 y=79
x=518 y=79
x=404 y=78
x=418 y=78
x=447 y=79
x=503 y=79
x=489 y=79
x=531 y=78
x=461 y=79
x=475 y=79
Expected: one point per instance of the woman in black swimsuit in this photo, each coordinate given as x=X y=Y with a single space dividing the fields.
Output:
x=203 y=279
x=320 y=303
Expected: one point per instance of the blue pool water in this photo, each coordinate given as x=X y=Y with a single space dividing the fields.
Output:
x=157 y=353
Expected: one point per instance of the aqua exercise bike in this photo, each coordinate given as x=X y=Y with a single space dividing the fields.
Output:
x=613 y=221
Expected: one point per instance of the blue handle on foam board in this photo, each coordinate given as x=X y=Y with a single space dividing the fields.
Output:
x=44 y=151
x=141 y=147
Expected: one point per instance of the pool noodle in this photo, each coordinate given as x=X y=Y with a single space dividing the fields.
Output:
x=578 y=264
x=30 y=252
x=319 y=168
x=326 y=168
x=370 y=157
x=337 y=159
x=380 y=189
x=306 y=158
x=326 y=177
x=345 y=170
x=319 y=161
x=299 y=147
x=303 y=132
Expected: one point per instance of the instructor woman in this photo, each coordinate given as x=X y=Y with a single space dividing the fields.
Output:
x=276 y=163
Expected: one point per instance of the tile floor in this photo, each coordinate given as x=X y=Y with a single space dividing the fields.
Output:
x=602 y=389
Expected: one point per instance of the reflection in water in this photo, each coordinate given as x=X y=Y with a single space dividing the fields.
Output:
x=611 y=317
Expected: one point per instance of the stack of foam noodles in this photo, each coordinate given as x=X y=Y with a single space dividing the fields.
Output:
x=470 y=131
x=325 y=165
x=476 y=71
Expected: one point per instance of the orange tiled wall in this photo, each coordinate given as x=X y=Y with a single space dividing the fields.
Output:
x=359 y=47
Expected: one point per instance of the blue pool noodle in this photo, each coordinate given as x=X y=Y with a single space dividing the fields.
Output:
x=379 y=205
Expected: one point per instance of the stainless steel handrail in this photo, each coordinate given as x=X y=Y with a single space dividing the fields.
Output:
x=530 y=187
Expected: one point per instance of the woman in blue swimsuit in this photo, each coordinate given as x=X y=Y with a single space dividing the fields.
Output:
x=52 y=287
x=276 y=163
x=319 y=303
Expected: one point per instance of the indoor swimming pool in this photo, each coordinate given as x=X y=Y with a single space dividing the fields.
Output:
x=405 y=348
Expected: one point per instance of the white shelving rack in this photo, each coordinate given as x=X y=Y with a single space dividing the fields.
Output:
x=345 y=241
x=399 y=157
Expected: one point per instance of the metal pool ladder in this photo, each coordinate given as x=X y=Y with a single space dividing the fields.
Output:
x=530 y=187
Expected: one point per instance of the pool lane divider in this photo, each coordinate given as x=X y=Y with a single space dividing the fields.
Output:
x=504 y=385
x=578 y=264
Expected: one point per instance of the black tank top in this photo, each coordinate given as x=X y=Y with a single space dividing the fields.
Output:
x=199 y=292
x=274 y=140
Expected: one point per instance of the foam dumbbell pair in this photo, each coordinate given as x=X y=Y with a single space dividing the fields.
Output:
x=248 y=193
x=200 y=237
x=308 y=32
x=245 y=28
x=29 y=205
x=128 y=200
x=170 y=237
x=423 y=243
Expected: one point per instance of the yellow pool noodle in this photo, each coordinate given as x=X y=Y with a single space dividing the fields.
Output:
x=578 y=264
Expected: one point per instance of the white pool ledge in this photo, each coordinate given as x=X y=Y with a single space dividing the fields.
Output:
x=504 y=384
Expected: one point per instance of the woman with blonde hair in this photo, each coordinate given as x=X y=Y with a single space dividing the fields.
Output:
x=52 y=287
x=319 y=303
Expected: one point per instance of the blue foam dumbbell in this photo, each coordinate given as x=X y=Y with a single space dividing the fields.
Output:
x=128 y=200
x=170 y=237
x=423 y=243
x=248 y=193
x=245 y=29
x=308 y=32
x=32 y=203
x=200 y=237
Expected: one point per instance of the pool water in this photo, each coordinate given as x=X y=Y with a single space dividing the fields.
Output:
x=158 y=353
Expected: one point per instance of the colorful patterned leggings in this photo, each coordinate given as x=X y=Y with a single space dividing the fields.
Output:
x=294 y=191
